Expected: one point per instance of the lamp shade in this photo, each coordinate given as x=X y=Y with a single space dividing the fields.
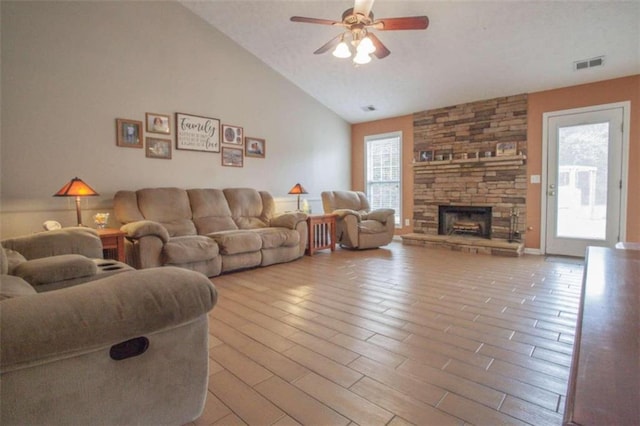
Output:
x=297 y=190
x=75 y=188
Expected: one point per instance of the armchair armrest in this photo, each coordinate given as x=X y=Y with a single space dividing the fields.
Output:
x=100 y=313
x=381 y=215
x=288 y=220
x=342 y=213
x=143 y=228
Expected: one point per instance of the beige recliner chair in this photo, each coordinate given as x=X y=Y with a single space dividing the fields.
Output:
x=129 y=348
x=357 y=225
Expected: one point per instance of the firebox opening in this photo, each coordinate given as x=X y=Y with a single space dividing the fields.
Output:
x=464 y=220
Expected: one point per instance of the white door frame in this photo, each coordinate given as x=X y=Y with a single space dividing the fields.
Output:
x=624 y=172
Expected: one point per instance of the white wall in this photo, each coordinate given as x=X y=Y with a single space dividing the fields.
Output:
x=69 y=69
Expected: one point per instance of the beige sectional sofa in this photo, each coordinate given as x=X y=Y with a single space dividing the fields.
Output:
x=208 y=230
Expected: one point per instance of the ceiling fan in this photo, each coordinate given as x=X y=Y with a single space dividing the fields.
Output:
x=358 y=23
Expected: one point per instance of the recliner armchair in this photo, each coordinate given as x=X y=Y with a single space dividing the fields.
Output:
x=358 y=226
x=57 y=259
x=131 y=348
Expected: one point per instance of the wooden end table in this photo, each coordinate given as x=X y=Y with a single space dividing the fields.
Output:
x=322 y=232
x=112 y=243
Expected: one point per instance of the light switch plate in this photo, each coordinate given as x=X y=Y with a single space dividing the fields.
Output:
x=535 y=178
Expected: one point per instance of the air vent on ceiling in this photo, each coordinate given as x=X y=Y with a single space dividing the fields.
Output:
x=368 y=108
x=588 y=63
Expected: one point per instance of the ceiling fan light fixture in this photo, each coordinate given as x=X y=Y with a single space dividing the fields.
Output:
x=366 y=45
x=342 y=50
x=361 y=58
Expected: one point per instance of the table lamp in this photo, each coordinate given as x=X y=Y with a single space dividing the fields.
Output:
x=76 y=188
x=297 y=190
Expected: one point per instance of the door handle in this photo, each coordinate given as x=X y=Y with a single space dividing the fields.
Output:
x=552 y=193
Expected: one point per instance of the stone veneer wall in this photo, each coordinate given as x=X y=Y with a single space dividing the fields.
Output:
x=500 y=183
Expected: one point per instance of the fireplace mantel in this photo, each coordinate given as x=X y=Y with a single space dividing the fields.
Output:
x=510 y=160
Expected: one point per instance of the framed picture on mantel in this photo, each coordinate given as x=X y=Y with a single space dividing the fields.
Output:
x=505 y=149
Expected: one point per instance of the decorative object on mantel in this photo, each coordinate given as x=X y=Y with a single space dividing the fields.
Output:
x=158 y=123
x=254 y=147
x=426 y=156
x=358 y=23
x=298 y=190
x=158 y=148
x=232 y=157
x=232 y=134
x=128 y=133
x=76 y=188
x=196 y=133
x=504 y=149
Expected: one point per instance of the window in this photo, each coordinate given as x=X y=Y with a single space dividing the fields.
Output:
x=383 y=172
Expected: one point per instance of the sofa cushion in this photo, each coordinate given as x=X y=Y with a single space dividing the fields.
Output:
x=189 y=249
x=56 y=268
x=72 y=240
x=210 y=211
x=246 y=208
x=371 y=227
x=237 y=241
x=278 y=237
x=170 y=207
x=14 y=287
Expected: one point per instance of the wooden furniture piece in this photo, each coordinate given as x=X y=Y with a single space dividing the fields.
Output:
x=322 y=232
x=112 y=243
x=605 y=369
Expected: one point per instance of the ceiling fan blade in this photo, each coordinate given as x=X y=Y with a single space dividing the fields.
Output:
x=362 y=7
x=406 y=23
x=381 y=50
x=314 y=20
x=329 y=45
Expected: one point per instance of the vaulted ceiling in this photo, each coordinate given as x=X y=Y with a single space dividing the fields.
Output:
x=472 y=50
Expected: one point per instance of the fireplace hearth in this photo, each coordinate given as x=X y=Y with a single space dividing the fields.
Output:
x=464 y=220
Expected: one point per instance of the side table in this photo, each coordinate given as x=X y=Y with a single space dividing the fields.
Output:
x=322 y=232
x=112 y=243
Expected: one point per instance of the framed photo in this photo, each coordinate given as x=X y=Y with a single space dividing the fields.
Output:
x=425 y=156
x=128 y=133
x=197 y=133
x=255 y=147
x=158 y=123
x=232 y=157
x=158 y=148
x=232 y=134
x=504 y=149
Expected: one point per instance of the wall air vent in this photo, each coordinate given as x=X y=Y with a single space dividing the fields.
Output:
x=588 y=63
x=368 y=108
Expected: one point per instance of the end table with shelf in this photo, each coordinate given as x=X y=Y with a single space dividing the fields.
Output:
x=322 y=232
x=112 y=243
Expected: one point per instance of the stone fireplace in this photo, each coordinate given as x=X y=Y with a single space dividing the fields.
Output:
x=464 y=220
x=471 y=169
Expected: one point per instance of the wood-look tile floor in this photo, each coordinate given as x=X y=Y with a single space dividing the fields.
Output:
x=394 y=336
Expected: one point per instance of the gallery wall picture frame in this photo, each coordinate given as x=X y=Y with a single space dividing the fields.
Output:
x=158 y=123
x=425 y=155
x=255 y=147
x=197 y=133
x=232 y=134
x=128 y=133
x=158 y=148
x=505 y=149
x=232 y=157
